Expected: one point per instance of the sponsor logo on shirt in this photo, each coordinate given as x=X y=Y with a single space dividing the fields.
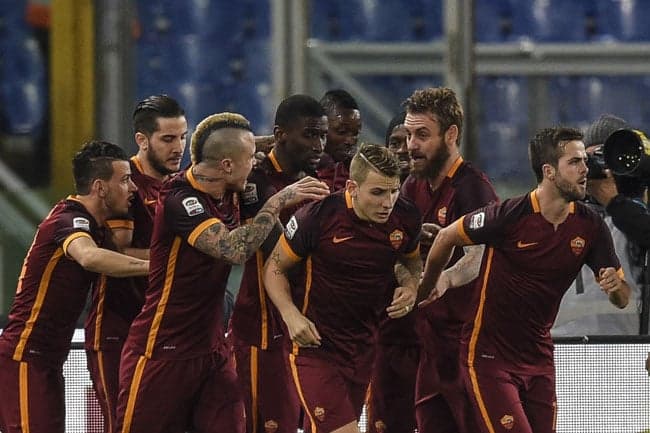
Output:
x=507 y=421
x=577 y=245
x=396 y=238
x=249 y=196
x=193 y=206
x=81 y=223
x=442 y=215
x=319 y=413
x=477 y=221
x=292 y=227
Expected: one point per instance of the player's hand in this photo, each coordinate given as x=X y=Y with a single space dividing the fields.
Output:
x=403 y=301
x=307 y=188
x=609 y=280
x=302 y=331
x=438 y=290
x=428 y=232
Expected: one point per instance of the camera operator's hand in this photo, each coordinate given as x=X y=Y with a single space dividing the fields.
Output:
x=602 y=190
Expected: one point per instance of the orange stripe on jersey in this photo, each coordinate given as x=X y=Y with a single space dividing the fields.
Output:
x=287 y=249
x=296 y=381
x=572 y=207
x=348 y=199
x=192 y=180
x=102 y=377
x=138 y=164
x=414 y=253
x=23 y=270
x=38 y=304
x=264 y=314
x=133 y=393
x=472 y=344
x=461 y=231
x=23 y=392
x=274 y=160
x=305 y=301
x=454 y=167
x=254 y=378
x=101 y=297
x=534 y=201
x=191 y=239
x=72 y=237
x=120 y=224
x=162 y=304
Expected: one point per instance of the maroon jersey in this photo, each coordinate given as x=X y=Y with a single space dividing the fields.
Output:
x=527 y=268
x=349 y=269
x=52 y=288
x=255 y=320
x=334 y=174
x=116 y=301
x=182 y=314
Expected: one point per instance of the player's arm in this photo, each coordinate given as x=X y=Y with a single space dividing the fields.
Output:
x=612 y=283
x=464 y=271
x=85 y=251
x=301 y=330
x=408 y=270
x=439 y=255
x=238 y=245
x=123 y=238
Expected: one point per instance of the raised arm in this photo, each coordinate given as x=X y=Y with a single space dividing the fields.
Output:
x=301 y=330
x=238 y=245
x=85 y=251
x=407 y=271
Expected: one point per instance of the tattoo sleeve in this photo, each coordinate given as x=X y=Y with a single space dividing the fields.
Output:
x=408 y=271
x=467 y=268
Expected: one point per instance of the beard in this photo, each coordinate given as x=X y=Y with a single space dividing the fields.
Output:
x=433 y=166
x=568 y=191
x=158 y=164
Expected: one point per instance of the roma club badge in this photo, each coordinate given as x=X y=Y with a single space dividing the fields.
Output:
x=577 y=245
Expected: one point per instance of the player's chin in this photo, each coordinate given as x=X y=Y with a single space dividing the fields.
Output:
x=381 y=217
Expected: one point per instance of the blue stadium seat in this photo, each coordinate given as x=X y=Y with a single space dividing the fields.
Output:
x=503 y=98
x=492 y=20
x=337 y=20
x=625 y=20
x=503 y=150
x=550 y=20
x=395 y=20
x=252 y=19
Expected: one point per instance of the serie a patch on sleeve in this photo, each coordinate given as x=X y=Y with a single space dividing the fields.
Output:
x=81 y=223
x=193 y=206
x=477 y=221
x=292 y=228
x=249 y=196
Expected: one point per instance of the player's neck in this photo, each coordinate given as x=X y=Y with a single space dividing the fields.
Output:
x=286 y=163
x=553 y=207
x=209 y=183
x=95 y=207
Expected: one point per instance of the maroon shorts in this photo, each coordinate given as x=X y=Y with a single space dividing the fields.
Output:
x=505 y=402
x=104 y=369
x=199 y=394
x=331 y=394
x=33 y=397
x=264 y=376
x=391 y=399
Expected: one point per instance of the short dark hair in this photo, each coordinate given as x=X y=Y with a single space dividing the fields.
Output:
x=395 y=121
x=338 y=98
x=213 y=123
x=440 y=101
x=295 y=107
x=375 y=157
x=147 y=112
x=547 y=147
x=95 y=161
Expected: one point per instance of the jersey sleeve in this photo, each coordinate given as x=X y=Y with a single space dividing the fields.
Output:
x=187 y=214
x=602 y=253
x=477 y=194
x=302 y=231
x=484 y=225
x=69 y=226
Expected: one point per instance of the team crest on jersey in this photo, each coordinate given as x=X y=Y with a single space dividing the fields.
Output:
x=380 y=426
x=270 y=426
x=292 y=227
x=319 y=413
x=396 y=238
x=577 y=245
x=81 y=223
x=442 y=215
x=507 y=421
x=249 y=196
x=193 y=206
x=477 y=221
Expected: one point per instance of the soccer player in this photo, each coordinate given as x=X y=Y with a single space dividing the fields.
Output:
x=175 y=372
x=350 y=242
x=66 y=256
x=443 y=186
x=390 y=403
x=344 y=125
x=536 y=245
x=300 y=130
x=160 y=130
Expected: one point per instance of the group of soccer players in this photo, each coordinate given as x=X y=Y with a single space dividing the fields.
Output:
x=333 y=311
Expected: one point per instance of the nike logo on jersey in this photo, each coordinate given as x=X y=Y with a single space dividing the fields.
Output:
x=521 y=244
x=337 y=240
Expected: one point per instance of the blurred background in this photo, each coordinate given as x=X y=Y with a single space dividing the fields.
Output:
x=71 y=70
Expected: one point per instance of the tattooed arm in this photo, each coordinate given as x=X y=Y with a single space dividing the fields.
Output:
x=407 y=271
x=301 y=330
x=92 y=258
x=238 y=245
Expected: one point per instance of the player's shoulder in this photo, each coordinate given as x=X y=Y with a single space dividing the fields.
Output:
x=470 y=174
x=587 y=211
x=405 y=205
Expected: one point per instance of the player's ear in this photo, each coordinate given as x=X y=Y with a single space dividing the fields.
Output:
x=99 y=187
x=451 y=135
x=352 y=187
x=227 y=165
x=141 y=140
x=548 y=171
